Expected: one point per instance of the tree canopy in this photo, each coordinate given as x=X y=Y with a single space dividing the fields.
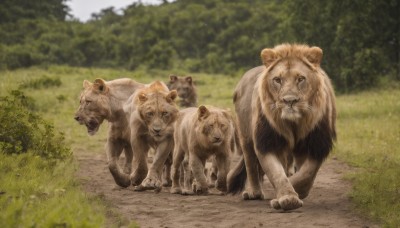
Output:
x=360 y=38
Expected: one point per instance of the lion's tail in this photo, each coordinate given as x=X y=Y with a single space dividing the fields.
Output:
x=237 y=178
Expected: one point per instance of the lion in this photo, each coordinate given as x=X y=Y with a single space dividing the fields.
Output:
x=287 y=116
x=185 y=88
x=199 y=134
x=102 y=100
x=152 y=113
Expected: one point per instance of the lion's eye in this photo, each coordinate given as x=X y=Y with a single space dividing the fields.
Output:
x=301 y=79
x=277 y=80
x=164 y=114
x=88 y=102
x=150 y=114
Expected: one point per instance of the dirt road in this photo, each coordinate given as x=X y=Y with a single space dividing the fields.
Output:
x=328 y=204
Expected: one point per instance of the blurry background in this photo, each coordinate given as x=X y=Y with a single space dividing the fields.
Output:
x=360 y=38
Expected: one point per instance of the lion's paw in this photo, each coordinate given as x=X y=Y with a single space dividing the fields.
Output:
x=251 y=195
x=187 y=192
x=149 y=183
x=166 y=183
x=198 y=189
x=136 y=178
x=287 y=202
x=175 y=190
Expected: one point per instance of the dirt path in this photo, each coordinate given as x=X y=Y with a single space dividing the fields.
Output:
x=327 y=205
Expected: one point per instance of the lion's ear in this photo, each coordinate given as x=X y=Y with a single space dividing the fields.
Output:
x=86 y=84
x=173 y=78
x=203 y=112
x=314 y=55
x=189 y=79
x=142 y=97
x=268 y=56
x=100 y=85
x=171 y=96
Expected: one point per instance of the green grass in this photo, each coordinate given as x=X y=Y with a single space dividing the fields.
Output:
x=34 y=193
x=369 y=138
x=368 y=132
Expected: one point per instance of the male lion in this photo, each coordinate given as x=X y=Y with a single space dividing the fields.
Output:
x=200 y=133
x=185 y=88
x=287 y=111
x=152 y=112
x=101 y=101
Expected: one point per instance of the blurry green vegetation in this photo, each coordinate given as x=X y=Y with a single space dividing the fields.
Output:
x=43 y=82
x=360 y=38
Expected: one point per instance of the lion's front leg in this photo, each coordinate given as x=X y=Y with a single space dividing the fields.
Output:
x=200 y=185
x=128 y=159
x=176 y=172
x=114 y=150
x=153 y=178
x=303 y=179
x=140 y=149
x=166 y=174
x=223 y=163
x=286 y=197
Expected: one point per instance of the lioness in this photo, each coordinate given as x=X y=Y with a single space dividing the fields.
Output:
x=200 y=133
x=185 y=88
x=152 y=112
x=101 y=101
x=287 y=111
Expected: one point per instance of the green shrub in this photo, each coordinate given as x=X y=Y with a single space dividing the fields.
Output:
x=25 y=131
x=41 y=83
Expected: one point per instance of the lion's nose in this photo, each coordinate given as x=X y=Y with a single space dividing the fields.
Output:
x=77 y=118
x=156 y=130
x=290 y=99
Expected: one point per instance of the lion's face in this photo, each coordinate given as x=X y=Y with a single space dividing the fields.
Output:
x=183 y=85
x=214 y=126
x=291 y=84
x=94 y=106
x=159 y=112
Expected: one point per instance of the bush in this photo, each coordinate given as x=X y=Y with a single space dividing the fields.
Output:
x=41 y=83
x=25 y=131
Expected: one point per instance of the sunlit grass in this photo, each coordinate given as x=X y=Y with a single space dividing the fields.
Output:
x=34 y=193
x=369 y=138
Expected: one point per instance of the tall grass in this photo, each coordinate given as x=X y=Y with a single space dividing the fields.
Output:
x=34 y=193
x=369 y=138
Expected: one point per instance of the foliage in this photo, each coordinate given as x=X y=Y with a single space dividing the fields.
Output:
x=25 y=131
x=35 y=193
x=360 y=38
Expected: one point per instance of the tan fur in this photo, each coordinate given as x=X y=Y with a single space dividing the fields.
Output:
x=199 y=134
x=102 y=100
x=287 y=112
x=185 y=88
x=152 y=112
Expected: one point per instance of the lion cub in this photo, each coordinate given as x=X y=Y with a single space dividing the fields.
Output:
x=199 y=134
x=186 y=90
x=152 y=113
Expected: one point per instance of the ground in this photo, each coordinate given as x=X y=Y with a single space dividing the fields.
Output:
x=328 y=204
